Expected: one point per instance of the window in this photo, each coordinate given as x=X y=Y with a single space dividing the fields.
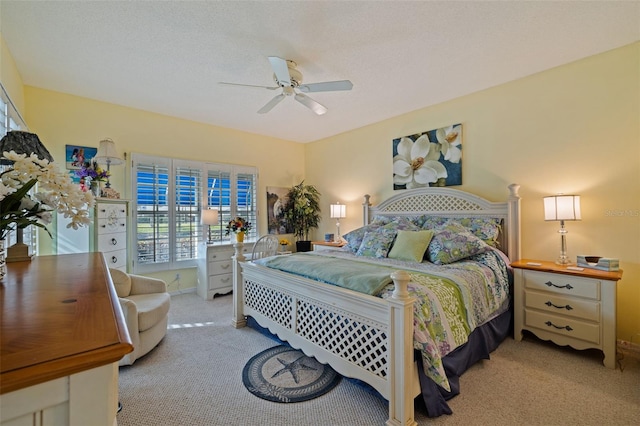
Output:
x=169 y=196
x=10 y=119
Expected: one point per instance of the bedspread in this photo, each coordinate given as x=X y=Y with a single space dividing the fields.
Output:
x=451 y=300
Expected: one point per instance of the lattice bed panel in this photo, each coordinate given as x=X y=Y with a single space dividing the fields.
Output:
x=272 y=304
x=361 y=343
x=432 y=202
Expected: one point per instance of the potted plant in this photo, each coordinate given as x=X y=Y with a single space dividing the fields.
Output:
x=302 y=211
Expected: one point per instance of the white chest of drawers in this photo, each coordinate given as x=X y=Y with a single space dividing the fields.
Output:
x=575 y=308
x=215 y=275
x=111 y=231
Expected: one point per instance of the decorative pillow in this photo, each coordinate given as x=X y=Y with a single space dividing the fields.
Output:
x=448 y=246
x=410 y=245
x=354 y=238
x=402 y=223
x=485 y=228
x=376 y=243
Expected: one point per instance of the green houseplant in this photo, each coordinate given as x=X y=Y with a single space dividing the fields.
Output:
x=302 y=212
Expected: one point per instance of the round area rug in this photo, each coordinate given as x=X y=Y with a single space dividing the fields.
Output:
x=284 y=374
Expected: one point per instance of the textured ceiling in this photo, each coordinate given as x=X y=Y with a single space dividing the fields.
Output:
x=168 y=57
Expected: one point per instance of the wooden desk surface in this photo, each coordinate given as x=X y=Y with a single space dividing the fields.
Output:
x=59 y=315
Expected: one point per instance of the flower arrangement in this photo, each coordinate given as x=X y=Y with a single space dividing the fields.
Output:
x=284 y=242
x=93 y=172
x=55 y=191
x=238 y=225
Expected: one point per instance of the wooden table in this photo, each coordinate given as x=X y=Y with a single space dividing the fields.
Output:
x=61 y=321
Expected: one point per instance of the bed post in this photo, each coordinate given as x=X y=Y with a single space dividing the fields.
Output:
x=238 y=320
x=513 y=216
x=401 y=374
x=365 y=210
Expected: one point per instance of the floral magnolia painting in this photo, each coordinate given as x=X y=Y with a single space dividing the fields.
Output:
x=432 y=158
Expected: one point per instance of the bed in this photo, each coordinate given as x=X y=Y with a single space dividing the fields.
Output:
x=370 y=337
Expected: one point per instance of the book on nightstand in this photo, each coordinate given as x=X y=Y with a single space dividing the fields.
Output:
x=597 y=262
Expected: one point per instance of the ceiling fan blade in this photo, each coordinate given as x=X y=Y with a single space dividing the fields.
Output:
x=327 y=86
x=248 y=85
x=273 y=102
x=311 y=104
x=281 y=70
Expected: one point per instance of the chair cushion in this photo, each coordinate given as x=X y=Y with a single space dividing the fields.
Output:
x=152 y=308
x=121 y=281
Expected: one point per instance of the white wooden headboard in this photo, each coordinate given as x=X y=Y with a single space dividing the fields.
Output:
x=448 y=202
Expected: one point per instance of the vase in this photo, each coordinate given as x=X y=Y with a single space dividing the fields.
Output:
x=95 y=188
x=240 y=237
x=3 y=258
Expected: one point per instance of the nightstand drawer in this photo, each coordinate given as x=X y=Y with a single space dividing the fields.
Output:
x=217 y=255
x=577 y=329
x=220 y=281
x=562 y=284
x=573 y=307
x=116 y=259
x=221 y=267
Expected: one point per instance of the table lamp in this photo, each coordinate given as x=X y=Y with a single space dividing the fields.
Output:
x=209 y=217
x=562 y=207
x=108 y=155
x=338 y=211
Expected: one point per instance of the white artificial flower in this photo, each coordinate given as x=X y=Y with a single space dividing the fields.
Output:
x=417 y=163
x=450 y=138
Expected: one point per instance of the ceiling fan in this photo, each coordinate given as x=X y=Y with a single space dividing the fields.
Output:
x=289 y=79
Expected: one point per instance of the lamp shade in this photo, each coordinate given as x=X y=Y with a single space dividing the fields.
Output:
x=107 y=153
x=23 y=143
x=562 y=207
x=209 y=217
x=338 y=211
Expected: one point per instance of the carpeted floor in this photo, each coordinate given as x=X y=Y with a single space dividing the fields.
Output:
x=194 y=377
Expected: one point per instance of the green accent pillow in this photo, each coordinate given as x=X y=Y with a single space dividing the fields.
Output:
x=411 y=245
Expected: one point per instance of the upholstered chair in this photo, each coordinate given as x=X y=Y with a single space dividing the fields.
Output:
x=145 y=304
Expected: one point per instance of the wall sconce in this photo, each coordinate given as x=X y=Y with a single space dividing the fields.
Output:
x=562 y=207
x=338 y=211
x=108 y=155
x=209 y=217
x=22 y=143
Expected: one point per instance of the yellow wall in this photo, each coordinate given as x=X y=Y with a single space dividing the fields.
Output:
x=10 y=77
x=573 y=129
x=60 y=119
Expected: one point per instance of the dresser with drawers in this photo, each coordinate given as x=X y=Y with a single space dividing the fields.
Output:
x=215 y=270
x=568 y=307
x=111 y=231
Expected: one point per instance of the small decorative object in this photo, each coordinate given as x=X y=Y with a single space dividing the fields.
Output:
x=110 y=193
x=432 y=158
x=597 y=262
x=328 y=238
x=55 y=191
x=302 y=211
x=562 y=207
x=283 y=245
x=239 y=227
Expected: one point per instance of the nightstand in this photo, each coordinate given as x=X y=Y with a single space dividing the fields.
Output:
x=568 y=307
x=325 y=245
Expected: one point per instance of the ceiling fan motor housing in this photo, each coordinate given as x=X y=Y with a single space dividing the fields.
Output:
x=294 y=75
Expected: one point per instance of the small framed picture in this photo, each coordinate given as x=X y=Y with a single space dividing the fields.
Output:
x=76 y=157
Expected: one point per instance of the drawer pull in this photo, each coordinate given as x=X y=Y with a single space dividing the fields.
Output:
x=114 y=242
x=225 y=280
x=566 y=327
x=225 y=266
x=567 y=307
x=550 y=284
x=114 y=259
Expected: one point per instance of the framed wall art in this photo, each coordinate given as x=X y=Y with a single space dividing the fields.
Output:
x=276 y=200
x=431 y=158
x=75 y=156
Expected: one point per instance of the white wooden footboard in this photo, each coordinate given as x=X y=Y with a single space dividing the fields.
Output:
x=360 y=336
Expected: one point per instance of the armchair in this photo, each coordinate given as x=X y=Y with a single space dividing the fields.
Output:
x=145 y=304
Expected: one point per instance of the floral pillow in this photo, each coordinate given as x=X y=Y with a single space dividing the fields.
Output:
x=354 y=238
x=485 y=228
x=402 y=223
x=449 y=245
x=376 y=243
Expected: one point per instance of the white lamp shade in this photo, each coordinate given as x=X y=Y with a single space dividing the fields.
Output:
x=107 y=153
x=338 y=211
x=209 y=217
x=562 y=207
